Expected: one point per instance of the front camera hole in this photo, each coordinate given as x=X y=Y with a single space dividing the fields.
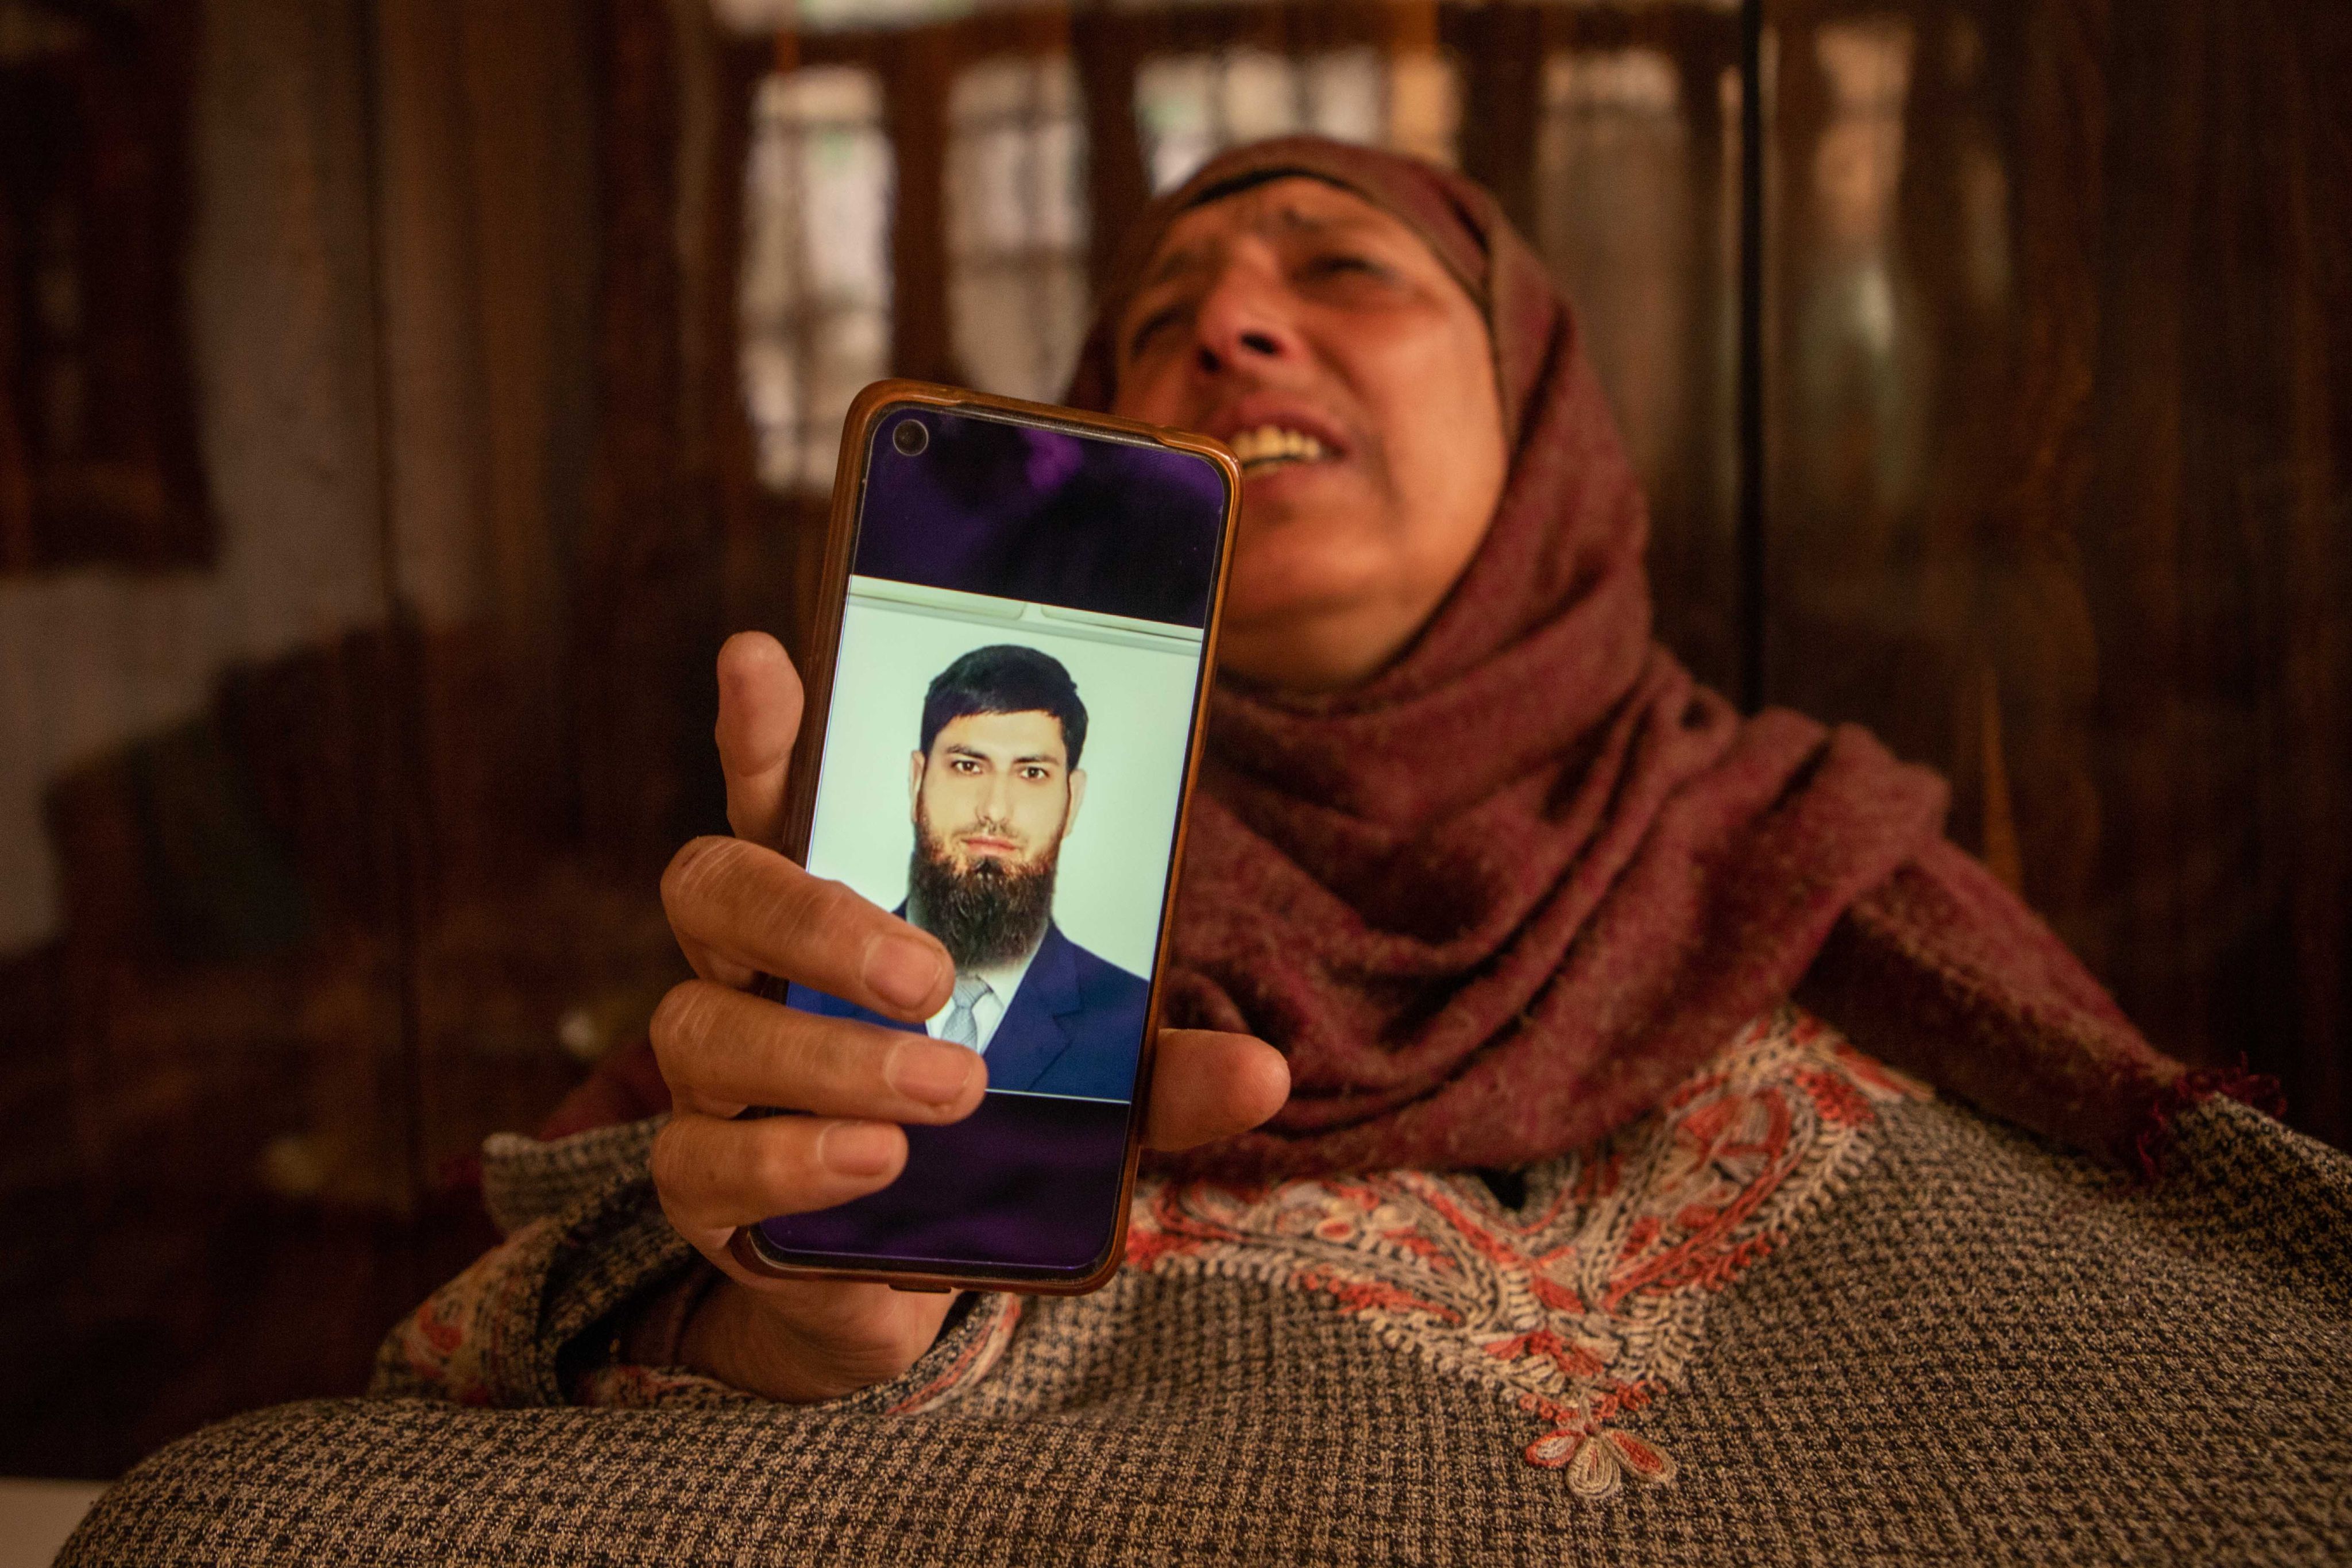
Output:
x=911 y=437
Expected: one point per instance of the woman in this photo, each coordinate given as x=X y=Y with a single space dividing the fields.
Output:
x=1547 y=1226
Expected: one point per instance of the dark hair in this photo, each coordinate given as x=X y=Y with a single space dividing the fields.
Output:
x=1005 y=678
x=1250 y=177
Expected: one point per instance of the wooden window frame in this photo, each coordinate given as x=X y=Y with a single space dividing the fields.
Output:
x=96 y=136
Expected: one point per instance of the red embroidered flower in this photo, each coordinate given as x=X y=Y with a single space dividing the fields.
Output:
x=1591 y=1294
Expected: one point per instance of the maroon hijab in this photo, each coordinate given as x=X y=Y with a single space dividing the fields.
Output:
x=1499 y=900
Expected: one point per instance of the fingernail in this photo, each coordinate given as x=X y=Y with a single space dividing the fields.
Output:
x=902 y=969
x=857 y=1148
x=932 y=1074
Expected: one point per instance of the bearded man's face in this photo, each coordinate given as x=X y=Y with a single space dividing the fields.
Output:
x=992 y=801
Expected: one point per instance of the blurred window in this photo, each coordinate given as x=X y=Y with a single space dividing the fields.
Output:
x=756 y=17
x=1615 y=221
x=815 y=291
x=1859 y=365
x=1017 y=222
x=1188 y=108
x=99 y=459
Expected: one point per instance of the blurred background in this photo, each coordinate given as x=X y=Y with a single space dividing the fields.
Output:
x=401 y=399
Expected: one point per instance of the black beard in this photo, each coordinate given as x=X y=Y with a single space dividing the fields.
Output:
x=989 y=915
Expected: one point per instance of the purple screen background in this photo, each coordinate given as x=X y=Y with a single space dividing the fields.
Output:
x=1024 y=513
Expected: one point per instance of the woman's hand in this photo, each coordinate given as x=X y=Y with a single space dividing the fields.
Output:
x=740 y=909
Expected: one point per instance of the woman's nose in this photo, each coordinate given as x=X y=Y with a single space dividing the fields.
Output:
x=1244 y=319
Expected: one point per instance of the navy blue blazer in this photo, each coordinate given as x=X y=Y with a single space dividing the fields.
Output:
x=1074 y=1027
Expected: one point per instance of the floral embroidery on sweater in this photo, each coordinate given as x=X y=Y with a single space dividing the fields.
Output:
x=454 y=1345
x=1586 y=1302
x=987 y=1333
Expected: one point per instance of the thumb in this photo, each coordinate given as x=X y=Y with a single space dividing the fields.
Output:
x=759 y=718
x=1207 y=1085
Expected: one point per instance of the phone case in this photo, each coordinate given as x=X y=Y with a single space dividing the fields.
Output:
x=841 y=532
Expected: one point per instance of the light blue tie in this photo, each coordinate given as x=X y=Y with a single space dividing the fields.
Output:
x=961 y=1028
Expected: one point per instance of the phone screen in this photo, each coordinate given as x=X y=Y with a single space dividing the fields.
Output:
x=1006 y=746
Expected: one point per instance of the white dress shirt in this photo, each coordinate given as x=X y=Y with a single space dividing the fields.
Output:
x=988 y=1012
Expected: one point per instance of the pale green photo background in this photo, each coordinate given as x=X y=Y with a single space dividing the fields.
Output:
x=1114 y=861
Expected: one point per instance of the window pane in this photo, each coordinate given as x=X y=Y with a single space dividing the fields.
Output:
x=848 y=226
x=756 y=17
x=1016 y=223
x=1857 y=383
x=1637 y=214
x=996 y=341
x=848 y=348
x=771 y=395
x=1188 y=108
x=993 y=188
x=1018 y=325
x=1616 y=223
x=1344 y=100
x=815 y=296
x=1424 y=106
x=1261 y=97
x=1174 y=116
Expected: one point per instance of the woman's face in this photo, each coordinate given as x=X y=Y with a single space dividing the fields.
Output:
x=1321 y=340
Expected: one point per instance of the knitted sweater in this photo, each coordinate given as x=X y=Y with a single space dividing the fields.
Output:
x=1804 y=1312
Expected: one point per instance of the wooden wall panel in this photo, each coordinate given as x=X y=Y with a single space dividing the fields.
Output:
x=2056 y=498
x=2215 y=536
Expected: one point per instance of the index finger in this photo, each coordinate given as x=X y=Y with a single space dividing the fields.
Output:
x=759 y=718
x=750 y=906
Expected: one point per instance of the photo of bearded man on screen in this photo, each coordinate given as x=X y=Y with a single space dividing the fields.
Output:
x=993 y=790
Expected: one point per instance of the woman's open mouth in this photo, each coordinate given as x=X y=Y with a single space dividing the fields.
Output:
x=1265 y=447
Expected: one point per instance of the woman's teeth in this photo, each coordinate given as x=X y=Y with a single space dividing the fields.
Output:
x=1270 y=445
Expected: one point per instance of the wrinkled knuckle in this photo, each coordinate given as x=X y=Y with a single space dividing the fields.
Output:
x=806 y=908
x=798 y=905
x=785 y=1163
x=670 y=1015
x=680 y=1020
x=697 y=864
x=671 y=1162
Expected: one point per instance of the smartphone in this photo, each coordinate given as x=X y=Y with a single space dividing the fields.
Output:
x=1005 y=704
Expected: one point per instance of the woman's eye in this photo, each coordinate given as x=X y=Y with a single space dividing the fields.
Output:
x=1333 y=264
x=1150 y=327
